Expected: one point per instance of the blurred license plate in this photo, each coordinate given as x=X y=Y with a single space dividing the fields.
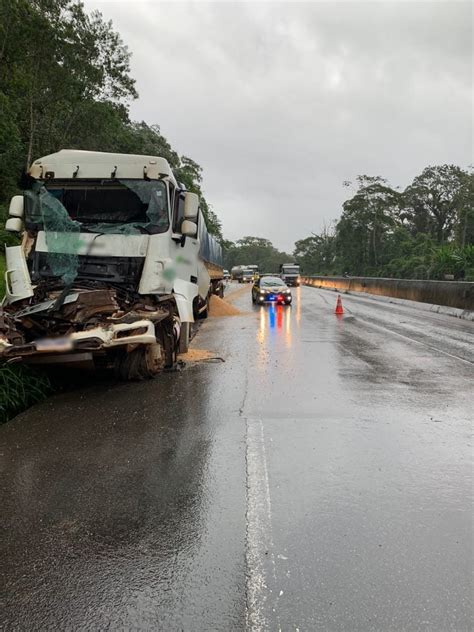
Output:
x=54 y=344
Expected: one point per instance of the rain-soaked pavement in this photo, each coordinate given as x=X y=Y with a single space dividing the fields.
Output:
x=319 y=479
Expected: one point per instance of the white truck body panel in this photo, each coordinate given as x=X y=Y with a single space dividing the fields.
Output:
x=17 y=278
x=185 y=293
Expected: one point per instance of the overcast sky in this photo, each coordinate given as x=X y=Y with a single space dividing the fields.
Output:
x=282 y=102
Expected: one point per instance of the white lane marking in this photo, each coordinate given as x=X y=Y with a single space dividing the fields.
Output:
x=424 y=344
x=259 y=550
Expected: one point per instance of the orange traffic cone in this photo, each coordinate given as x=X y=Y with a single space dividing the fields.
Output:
x=339 y=309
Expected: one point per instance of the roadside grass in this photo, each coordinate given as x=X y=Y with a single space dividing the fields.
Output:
x=20 y=388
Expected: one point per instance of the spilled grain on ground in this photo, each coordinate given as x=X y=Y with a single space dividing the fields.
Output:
x=219 y=307
x=196 y=355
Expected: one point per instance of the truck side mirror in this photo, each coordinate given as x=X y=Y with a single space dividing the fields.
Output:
x=191 y=205
x=14 y=225
x=17 y=206
x=188 y=228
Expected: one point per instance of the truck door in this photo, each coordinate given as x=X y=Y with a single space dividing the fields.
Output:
x=186 y=248
x=185 y=259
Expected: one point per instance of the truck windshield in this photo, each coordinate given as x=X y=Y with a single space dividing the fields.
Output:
x=291 y=270
x=117 y=206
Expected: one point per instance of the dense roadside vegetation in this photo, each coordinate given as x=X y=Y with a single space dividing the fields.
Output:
x=254 y=250
x=423 y=232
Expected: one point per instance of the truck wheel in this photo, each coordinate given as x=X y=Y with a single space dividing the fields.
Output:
x=166 y=334
x=221 y=291
x=184 y=337
x=205 y=312
x=143 y=362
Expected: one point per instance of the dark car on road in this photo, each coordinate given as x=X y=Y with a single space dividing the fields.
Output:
x=271 y=289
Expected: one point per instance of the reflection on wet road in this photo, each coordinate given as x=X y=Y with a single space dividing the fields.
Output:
x=320 y=479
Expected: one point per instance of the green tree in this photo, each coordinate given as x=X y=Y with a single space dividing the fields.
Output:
x=56 y=63
x=255 y=251
x=435 y=201
x=464 y=229
x=316 y=254
x=367 y=220
x=189 y=173
x=425 y=232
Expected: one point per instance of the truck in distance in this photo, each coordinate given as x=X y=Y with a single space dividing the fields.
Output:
x=247 y=275
x=255 y=271
x=241 y=274
x=235 y=273
x=290 y=273
x=115 y=263
x=244 y=273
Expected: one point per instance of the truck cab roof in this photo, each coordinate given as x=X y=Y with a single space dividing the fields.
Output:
x=74 y=163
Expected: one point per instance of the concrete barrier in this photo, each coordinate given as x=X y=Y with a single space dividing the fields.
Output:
x=457 y=294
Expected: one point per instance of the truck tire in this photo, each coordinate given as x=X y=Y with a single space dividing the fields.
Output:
x=204 y=312
x=143 y=362
x=221 y=291
x=166 y=334
x=184 y=337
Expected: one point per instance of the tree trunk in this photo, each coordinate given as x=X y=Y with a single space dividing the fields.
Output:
x=5 y=40
x=464 y=229
x=374 y=243
x=31 y=136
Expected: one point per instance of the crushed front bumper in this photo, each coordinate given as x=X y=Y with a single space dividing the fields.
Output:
x=98 y=338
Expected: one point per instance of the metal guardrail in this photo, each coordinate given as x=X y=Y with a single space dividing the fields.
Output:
x=458 y=294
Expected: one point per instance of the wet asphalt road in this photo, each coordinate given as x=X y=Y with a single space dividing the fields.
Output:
x=319 y=479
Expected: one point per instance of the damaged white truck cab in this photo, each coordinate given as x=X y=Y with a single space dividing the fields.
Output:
x=114 y=265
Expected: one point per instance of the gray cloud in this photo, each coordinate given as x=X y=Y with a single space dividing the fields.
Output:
x=281 y=102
